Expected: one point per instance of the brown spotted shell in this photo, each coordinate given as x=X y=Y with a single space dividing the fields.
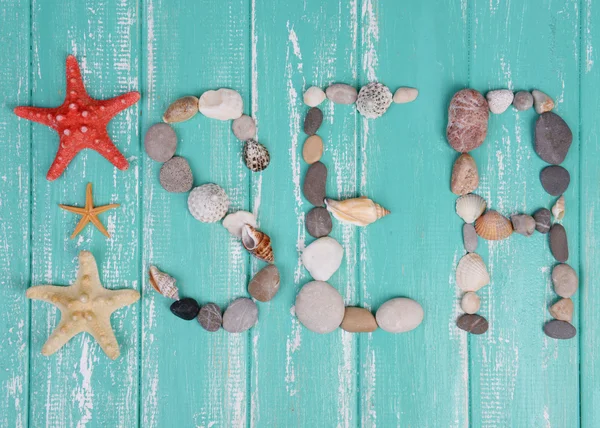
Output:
x=493 y=226
x=257 y=243
x=256 y=156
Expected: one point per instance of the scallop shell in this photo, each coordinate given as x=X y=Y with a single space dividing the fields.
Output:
x=257 y=243
x=208 y=203
x=558 y=210
x=373 y=100
x=471 y=273
x=256 y=156
x=493 y=226
x=470 y=207
x=359 y=211
x=163 y=283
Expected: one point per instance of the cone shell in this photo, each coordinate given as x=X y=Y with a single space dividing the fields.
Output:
x=359 y=211
x=163 y=283
x=471 y=273
x=493 y=226
x=470 y=207
x=558 y=210
x=257 y=243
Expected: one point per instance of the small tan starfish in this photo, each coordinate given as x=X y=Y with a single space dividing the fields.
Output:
x=85 y=306
x=89 y=213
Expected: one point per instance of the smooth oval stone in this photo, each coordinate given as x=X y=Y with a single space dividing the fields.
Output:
x=470 y=238
x=405 y=95
x=176 y=176
x=562 y=310
x=558 y=243
x=542 y=219
x=467 y=120
x=314 y=184
x=523 y=224
x=523 y=100
x=181 y=110
x=314 y=96
x=186 y=308
x=241 y=315
x=555 y=179
x=470 y=302
x=472 y=323
x=210 y=317
x=465 y=177
x=318 y=222
x=244 y=128
x=557 y=329
x=358 y=320
x=160 y=142
x=541 y=102
x=319 y=307
x=399 y=315
x=565 y=280
x=499 y=100
x=553 y=137
x=313 y=149
x=265 y=284
x=313 y=121
x=322 y=258
x=340 y=93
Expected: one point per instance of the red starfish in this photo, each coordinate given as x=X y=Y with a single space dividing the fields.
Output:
x=80 y=122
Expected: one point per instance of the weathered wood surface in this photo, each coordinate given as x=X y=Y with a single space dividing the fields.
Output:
x=172 y=373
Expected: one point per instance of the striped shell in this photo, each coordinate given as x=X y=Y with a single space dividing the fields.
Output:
x=470 y=207
x=257 y=243
x=359 y=211
x=558 y=210
x=493 y=226
x=163 y=283
x=471 y=273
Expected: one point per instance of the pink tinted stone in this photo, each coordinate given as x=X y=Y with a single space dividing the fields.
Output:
x=467 y=120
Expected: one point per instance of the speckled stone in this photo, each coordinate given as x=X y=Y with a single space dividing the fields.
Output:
x=542 y=219
x=465 y=178
x=523 y=101
x=562 y=310
x=340 y=93
x=176 y=176
x=523 y=224
x=467 y=120
x=558 y=243
x=240 y=316
x=555 y=179
x=314 y=184
x=358 y=320
x=210 y=317
x=265 y=284
x=558 y=329
x=313 y=120
x=313 y=149
x=160 y=142
x=472 y=323
x=244 y=128
x=470 y=238
x=499 y=100
x=399 y=315
x=553 y=138
x=318 y=222
x=319 y=307
x=186 y=308
x=565 y=280
x=541 y=102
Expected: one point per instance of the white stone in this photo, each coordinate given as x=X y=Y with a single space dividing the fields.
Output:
x=405 y=95
x=236 y=221
x=470 y=303
x=323 y=258
x=314 y=96
x=399 y=315
x=222 y=104
x=499 y=100
x=319 y=307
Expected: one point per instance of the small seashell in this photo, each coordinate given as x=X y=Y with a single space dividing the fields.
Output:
x=257 y=243
x=256 y=156
x=493 y=226
x=360 y=211
x=208 y=203
x=471 y=273
x=163 y=283
x=373 y=100
x=181 y=110
x=558 y=210
x=470 y=207
x=235 y=222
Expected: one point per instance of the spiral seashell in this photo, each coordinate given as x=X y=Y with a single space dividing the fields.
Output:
x=470 y=207
x=558 y=210
x=208 y=203
x=163 y=283
x=493 y=226
x=373 y=100
x=257 y=243
x=471 y=273
x=359 y=211
x=256 y=156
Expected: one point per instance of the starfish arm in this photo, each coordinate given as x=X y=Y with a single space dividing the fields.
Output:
x=117 y=104
x=63 y=158
x=88 y=275
x=110 y=152
x=45 y=116
x=54 y=294
x=76 y=210
x=65 y=330
x=96 y=222
x=103 y=208
x=74 y=79
x=102 y=331
x=89 y=199
x=121 y=298
x=82 y=223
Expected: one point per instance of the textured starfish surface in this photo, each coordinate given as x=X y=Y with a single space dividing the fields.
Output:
x=85 y=306
x=89 y=213
x=80 y=122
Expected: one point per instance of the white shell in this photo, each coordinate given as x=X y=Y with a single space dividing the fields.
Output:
x=208 y=203
x=323 y=258
x=222 y=104
x=470 y=207
x=471 y=273
x=558 y=210
x=373 y=100
x=470 y=302
x=314 y=96
x=235 y=222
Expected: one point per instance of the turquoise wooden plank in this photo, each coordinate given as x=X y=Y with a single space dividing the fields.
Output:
x=79 y=385
x=301 y=378
x=418 y=378
x=15 y=205
x=517 y=374
x=191 y=377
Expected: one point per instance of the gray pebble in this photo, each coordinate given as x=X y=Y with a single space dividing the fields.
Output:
x=210 y=317
x=241 y=315
x=314 y=184
x=160 y=142
x=472 y=323
x=340 y=93
x=558 y=243
x=318 y=222
x=557 y=329
x=523 y=101
x=555 y=179
x=553 y=137
x=313 y=120
x=244 y=128
x=542 y=220
x=523 y=224
x=176 y=176
x=469 y=237
x=565 y=280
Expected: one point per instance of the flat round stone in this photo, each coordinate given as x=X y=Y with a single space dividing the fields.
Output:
x=470 y=238
x=318 y=222
x=319 y=307
x=244 y=128
x=467 y=120
x=565 y=280
x=553 y=137
x=313 y=120
x=160 y=142
x=523 y=100
x=265 y=284
x=240 y=316
x=542 y=219
x=558 y=243
x=186 y=308
x=313 y=149
x=358 y=320
x=523 y=224
x=176 y=176
x=314 y=184
x=472 y=323
x=555 y=179
x=558 y=329
x=340 y=93
x=399 y=315
x=210 y=317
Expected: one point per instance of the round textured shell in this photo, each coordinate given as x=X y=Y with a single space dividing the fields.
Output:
x=208 y=203
x=493 y=226
x=471 y=273
x=470 y=207
x=373 y=100
x=256 y=156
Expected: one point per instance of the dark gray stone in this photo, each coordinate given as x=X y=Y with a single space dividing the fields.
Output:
x=557 y=329
x=558 y=243
x=318 y=222
x=241 y=315
x=472 y=323
x=523 y=100
x=470 y=238
x=542 y=220
x=523 y=224
x=553 y=137
x=555 y=179
x=210 y=317
x=176 y=176
x=313 y=121
x=160 y=142
x=186 y=308
x=314 y=184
